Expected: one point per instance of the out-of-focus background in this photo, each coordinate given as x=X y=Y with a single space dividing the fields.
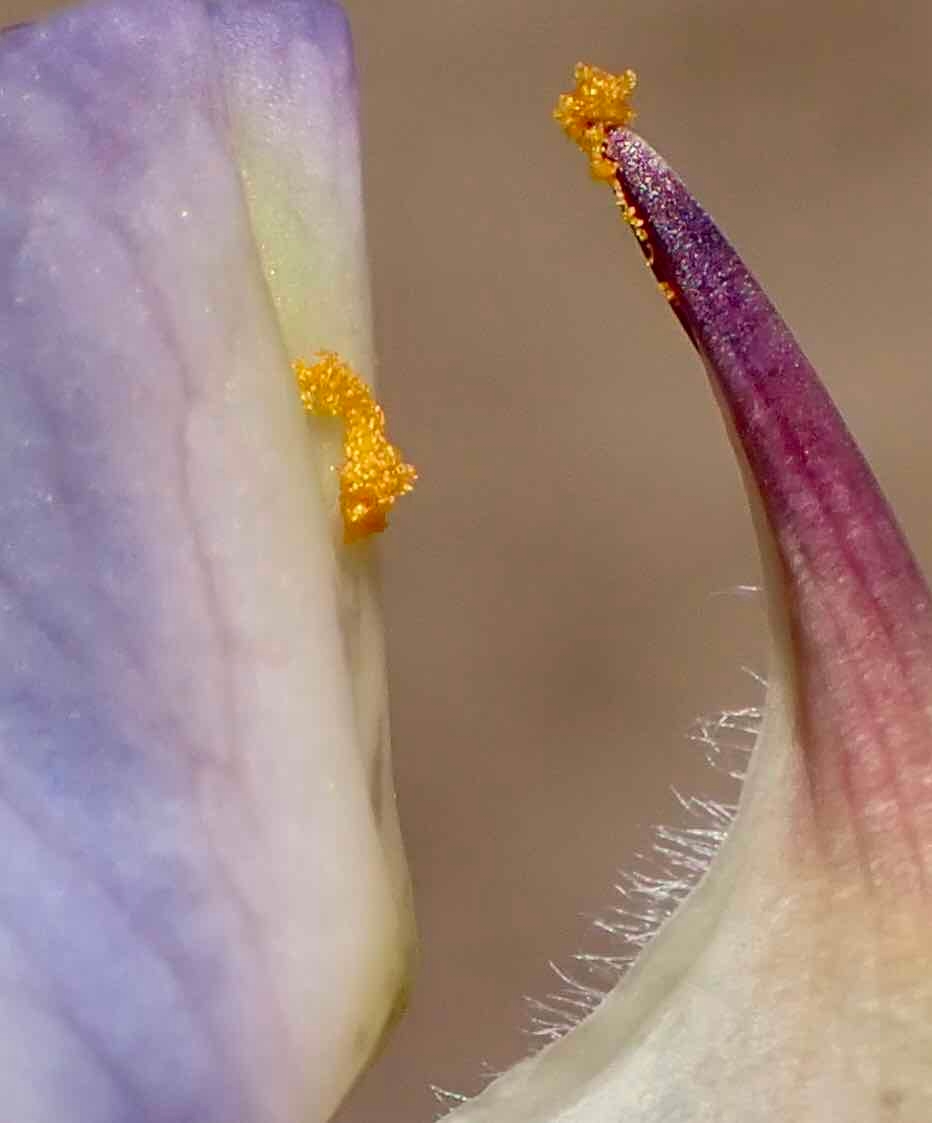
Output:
x=550 y=591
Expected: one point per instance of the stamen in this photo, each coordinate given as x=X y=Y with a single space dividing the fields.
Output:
x=374 y=474
x=598 y=107
x=600 y=103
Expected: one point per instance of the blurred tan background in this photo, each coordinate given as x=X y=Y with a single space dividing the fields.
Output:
x=550 y=589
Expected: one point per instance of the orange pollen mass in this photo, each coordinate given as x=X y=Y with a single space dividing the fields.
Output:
x=373 y=474
x=601 y=102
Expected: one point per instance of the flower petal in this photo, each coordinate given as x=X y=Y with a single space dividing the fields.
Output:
x=290 y=88
x=856 y=605
x=200 y=916
x=793 y=983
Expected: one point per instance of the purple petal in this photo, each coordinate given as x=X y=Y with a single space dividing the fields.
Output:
x=857 y=604
x=197 y=915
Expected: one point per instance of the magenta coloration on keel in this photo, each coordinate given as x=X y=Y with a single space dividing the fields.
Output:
x=859 y=607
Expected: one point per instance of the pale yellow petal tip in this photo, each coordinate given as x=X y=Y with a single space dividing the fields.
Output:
x=373 y=474
x=601 y=102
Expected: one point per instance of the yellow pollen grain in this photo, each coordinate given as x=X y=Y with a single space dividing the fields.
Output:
x=373 y=474
x=630 y=216
x=600 y=102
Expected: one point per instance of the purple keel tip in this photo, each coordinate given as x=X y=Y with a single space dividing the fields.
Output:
x=857 y=604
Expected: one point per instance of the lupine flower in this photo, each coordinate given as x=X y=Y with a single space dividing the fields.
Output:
x=203 y=904
x=796 y=981
x=202 y=908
